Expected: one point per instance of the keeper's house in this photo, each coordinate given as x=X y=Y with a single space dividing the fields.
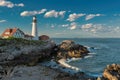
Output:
x=15 y=32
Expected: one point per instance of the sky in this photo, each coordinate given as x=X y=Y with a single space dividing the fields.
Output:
x=63 y=18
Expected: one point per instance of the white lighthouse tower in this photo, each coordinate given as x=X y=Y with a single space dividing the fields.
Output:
x=34 y=28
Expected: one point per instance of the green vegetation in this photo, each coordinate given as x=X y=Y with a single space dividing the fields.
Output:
x=12 y=40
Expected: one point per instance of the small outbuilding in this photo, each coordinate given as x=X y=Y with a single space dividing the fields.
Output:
x=44 y=37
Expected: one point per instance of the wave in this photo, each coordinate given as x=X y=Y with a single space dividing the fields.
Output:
x=94 y=74
x=72 y=59
x=88 y=56
x=63 y=63
x=76 y=69
x=92 y=53
x=93 y=48
x=65 y=67
x=68 y=60
x=88 y=48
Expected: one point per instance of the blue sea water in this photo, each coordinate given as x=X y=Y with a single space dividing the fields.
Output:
x=103 y=51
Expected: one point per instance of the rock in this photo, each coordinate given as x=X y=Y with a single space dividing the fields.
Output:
x=112 y=72
x=20 y=51
x=98 y=78
x=1 y=67
x=3 y=56
x=10 y=57
x=68 y=49
x=65 y=76
x=66 y=44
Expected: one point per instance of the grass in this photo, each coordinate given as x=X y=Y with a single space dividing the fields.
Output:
x=13 y=40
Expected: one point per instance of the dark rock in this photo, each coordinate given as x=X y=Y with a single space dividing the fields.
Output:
x=21 y=51
x=65 y=76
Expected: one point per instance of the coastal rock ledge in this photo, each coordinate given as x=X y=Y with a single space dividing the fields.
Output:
x=69 y=49
x=19 y=59
x=111 y=72
x=15 y=51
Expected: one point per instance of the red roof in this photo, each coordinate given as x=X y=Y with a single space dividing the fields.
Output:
x=9 y=32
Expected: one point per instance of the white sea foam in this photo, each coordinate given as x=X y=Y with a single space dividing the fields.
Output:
x=88 y=56
x=88 y=48
x=92 y=48
x=96 y=48
x=63 y=63
x=72 y=59
x=91 y=53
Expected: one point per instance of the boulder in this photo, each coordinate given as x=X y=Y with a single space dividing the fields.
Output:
x=69 y=49
x=66 y=44
x=112 y=72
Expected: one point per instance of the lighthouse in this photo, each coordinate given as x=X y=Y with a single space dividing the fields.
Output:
x=34 y=28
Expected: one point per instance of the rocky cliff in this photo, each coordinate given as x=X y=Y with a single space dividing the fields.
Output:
x=15 y=53
x=21 y=51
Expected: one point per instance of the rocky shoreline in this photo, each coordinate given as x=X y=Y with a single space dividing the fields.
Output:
x=19 y=55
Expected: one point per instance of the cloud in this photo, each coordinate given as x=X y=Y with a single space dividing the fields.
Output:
x=73 y=26
x=2 y=21
x=116 y=14
x=93 y=28
x=20 y=5
x=5 y=3
x=100 y=28
x=31 y=13
x=117 y=29
x=65 y=25
x=91 y=16
x=70 y=26
x=87 y=26
x=54 y=13
x=74 y=16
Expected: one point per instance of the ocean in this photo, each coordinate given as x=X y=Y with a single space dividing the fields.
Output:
x=103 y=51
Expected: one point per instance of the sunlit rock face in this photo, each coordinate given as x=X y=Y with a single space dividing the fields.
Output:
x=111 y=72
x=69 y=49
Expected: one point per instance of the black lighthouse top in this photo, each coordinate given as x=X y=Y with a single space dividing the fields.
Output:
x=34 y=19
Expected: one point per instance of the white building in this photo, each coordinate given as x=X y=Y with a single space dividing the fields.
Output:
x=15 y=32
